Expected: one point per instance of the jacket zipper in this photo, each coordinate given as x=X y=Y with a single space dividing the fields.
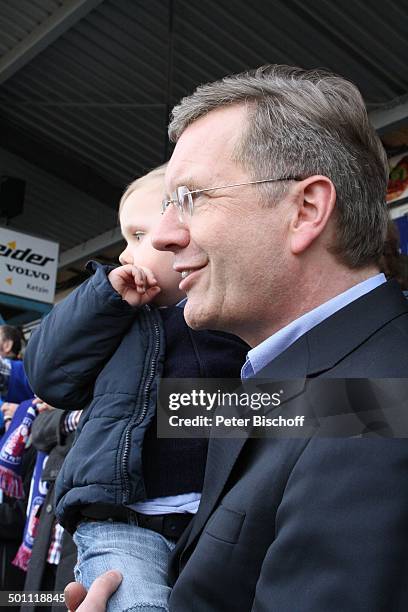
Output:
x=142 y=413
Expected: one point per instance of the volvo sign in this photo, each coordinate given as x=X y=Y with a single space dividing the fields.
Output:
x=28 y=266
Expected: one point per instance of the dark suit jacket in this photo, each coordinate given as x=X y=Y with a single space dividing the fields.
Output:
x=308 y=525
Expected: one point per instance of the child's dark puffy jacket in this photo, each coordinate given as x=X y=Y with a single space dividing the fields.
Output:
x=94 y=350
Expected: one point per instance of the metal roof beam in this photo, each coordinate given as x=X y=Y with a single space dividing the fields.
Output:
x=46 y=33
x=90 y=247
x=389 y=118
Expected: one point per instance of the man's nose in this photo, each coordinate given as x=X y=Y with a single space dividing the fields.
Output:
x=170 y=234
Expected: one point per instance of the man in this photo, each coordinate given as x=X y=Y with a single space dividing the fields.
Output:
x=277 y=222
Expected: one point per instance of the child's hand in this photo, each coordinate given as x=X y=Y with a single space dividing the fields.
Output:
x=135 y=284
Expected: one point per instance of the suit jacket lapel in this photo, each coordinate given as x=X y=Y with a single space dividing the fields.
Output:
x=340 y=334
x=222 y=455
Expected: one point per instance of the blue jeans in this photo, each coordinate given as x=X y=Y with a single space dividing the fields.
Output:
x=141 y=555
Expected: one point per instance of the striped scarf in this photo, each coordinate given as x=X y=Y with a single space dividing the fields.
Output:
x=38 y=491
x=12 y=446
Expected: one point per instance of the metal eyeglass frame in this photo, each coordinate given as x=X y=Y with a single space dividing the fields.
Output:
x=182 y=193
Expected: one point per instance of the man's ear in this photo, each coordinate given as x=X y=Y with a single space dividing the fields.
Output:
x=314 y=201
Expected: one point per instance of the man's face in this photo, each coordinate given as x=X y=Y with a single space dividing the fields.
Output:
x=232 y=247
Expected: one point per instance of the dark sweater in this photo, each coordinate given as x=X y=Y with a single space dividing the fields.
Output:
x=176 y=466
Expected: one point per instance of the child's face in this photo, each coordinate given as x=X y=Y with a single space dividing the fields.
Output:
x=139 y=215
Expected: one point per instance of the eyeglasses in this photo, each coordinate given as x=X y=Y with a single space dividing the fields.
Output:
x=182 y=197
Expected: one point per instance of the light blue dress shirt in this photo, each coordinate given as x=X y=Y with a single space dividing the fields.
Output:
x=270 y=348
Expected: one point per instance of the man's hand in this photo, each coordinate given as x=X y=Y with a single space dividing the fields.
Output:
x=136 y=285
x=8 y=409
x=78 y=599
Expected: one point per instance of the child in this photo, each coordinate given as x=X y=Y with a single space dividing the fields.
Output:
x=103 y=349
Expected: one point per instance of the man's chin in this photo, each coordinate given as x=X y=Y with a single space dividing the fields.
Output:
x=196 y=316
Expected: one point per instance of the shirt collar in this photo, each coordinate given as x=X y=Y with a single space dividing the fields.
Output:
x=269 y=349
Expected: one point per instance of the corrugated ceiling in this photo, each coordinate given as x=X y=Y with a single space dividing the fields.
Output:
x=100 y=94
x=53 y=209
x=19 y=18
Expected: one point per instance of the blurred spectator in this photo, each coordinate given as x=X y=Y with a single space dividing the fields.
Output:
x=391 y=262
x=11 y=342
x=14 y=386
x=14 y=389
x=54 y=553
x=12 y=521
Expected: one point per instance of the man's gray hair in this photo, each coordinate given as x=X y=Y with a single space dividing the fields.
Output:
x=301 y=123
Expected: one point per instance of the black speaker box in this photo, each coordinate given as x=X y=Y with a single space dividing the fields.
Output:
x=12 y=192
